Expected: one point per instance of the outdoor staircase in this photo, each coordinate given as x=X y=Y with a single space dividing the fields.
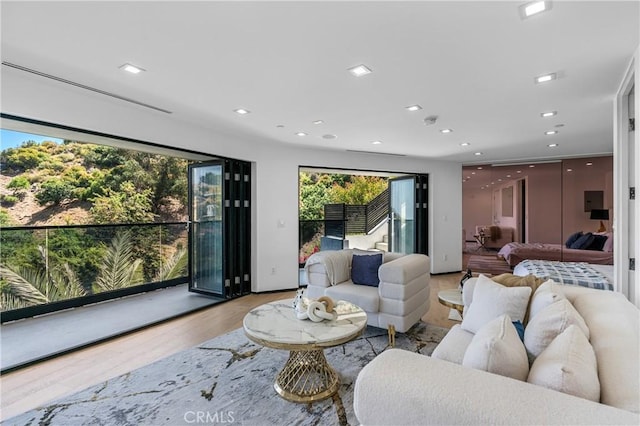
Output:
x=384 y=244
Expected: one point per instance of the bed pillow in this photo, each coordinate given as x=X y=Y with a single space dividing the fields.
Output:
x=364 y=269
x=549 y=323
x=572 y=239
x=491 y=300
x=568 y=365
x=608 y=245
x=583 y=242
x=598 y=242
x=496 y=348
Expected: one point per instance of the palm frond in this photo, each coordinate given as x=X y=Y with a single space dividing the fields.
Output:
x=119 y=268
x=65 y=284
x=23 y=284
x=174 y=267
x=9 y=302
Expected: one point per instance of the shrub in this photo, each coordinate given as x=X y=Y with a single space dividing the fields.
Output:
x=125 y=206
x=24 y=158
x=54 y=191
x=9 y=199
x=18 y=183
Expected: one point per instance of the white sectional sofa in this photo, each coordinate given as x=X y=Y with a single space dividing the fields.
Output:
x=401 y=387
x=400 y=299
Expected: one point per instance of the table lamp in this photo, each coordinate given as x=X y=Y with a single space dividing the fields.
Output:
x=600 y=214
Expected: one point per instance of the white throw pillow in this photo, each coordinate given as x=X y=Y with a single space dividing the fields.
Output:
x=496 y=348
x=568 y=365
x=545 y=295
x=490 y=300
x=550 y=322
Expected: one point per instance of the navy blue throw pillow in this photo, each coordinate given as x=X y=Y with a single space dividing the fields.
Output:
x=583 y=242
x=364 y=269
x=598 y=242
x=520 y=329
x=572 y=239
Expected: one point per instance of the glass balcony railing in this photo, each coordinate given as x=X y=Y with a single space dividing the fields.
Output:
x=42 y=265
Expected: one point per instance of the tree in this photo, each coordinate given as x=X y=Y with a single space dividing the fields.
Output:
x=125 y=206
x=360 y=190
x=313 y=195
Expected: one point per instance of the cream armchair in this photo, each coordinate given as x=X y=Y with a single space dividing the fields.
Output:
x=397 y=303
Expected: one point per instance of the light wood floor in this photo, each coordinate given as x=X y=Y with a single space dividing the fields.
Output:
x=34 y=386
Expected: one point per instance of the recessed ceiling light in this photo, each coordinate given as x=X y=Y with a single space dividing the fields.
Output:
x=465 y=144
x=360 y=70
x=551 y=132
x=242 y=111
x=479 y=168
x=413 y=108
x=533 y=8
x=548 y=114
x=329 y=136
x=280 y=126
x=552 y=145
x=318 y=122
x=569 y=170
x=446 y=131
x=376 y=143
x=477 y=153
x=546 y=77
x=131 y=68
x=473 y=173
x=508 y=176
x=532 y=165
x=589 y=163
x=301 y=134
x=519 y=171
x=499 y=180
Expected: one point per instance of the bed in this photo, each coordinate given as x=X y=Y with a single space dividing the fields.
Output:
x=515 y=253
x=574 y=273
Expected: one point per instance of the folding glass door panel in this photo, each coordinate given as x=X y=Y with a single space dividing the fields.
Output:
x=408 y=208
x=206 y=195
x=220 y=237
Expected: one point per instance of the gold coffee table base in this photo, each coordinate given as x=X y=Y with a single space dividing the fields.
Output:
x=307 y=377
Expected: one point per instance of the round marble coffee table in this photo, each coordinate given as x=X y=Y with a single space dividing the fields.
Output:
x=306 y=376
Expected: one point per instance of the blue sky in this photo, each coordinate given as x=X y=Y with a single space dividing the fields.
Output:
x=12 y=139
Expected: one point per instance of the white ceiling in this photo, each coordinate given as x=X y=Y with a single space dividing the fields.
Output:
x=470 y=63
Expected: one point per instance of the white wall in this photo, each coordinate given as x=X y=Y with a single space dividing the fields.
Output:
x=626 y=163
x=275 y=169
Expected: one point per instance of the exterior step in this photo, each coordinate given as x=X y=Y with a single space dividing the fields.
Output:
x=382 y=246
x=385 y=238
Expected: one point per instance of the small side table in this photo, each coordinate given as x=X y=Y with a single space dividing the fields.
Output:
x=451 y=298
x=481 y=239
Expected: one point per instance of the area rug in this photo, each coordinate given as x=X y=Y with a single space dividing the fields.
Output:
x=488 y=264
x=228 y=379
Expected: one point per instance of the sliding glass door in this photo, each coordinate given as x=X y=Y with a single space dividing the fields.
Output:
x=219 y=194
